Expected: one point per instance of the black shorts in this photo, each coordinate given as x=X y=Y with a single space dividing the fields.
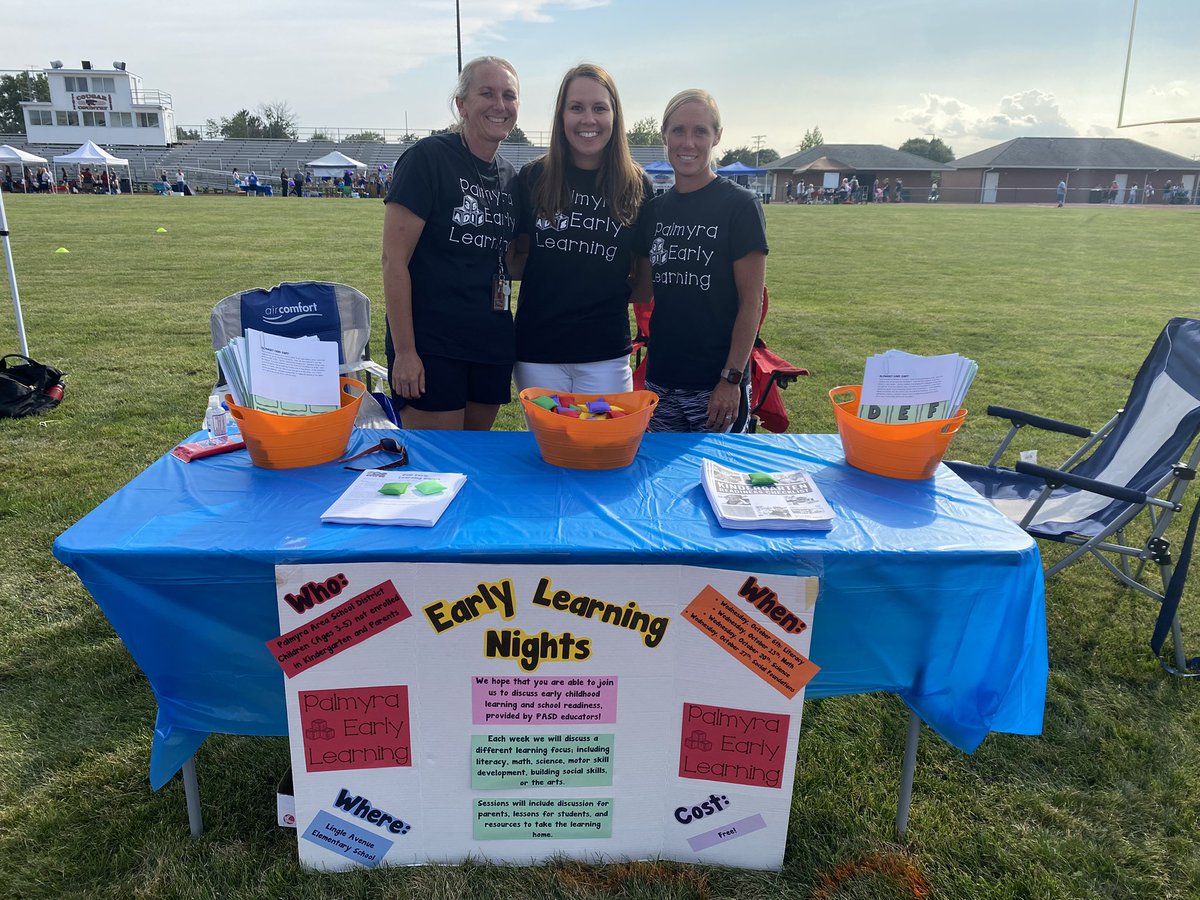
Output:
x=452 y=383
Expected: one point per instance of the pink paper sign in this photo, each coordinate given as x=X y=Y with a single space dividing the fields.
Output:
x=738 y=746
x=355 y=728
x=339 y=629
x=525 y=700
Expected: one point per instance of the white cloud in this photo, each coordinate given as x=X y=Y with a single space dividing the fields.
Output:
x=1027 y=113
x=1170 y=89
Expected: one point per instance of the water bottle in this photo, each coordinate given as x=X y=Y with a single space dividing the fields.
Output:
x=216 y=419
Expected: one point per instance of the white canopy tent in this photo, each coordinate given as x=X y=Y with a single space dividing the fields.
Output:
x=334 y=163
x=8 y=156
x=90 y=154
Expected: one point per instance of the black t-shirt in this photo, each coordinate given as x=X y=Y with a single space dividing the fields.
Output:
x=693 y=240
x=470 y=212
x=574 y=302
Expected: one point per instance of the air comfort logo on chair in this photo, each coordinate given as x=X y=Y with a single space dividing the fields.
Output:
x=286 y=315
x=294 y=309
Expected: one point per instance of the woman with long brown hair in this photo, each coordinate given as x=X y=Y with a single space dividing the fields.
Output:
x=582 y=202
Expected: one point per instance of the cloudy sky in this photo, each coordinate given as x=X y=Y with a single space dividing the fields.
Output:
x=971 y=72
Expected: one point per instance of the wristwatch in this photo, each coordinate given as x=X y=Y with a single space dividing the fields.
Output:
x=733 y=376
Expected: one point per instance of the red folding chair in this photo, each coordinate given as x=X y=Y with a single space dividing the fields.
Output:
x=769 y=372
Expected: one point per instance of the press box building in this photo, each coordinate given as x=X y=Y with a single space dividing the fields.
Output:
x=107 y=106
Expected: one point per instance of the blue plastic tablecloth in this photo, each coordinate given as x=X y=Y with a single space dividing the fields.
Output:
x=926 y=591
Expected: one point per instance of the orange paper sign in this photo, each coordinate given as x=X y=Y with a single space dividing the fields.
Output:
x=756 y=648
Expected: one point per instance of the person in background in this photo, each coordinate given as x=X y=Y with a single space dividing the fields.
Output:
x=702 y=253
x=283 y=181
x=575 y=244
x=1133 y=194
x=8 y=179
x=1060 y=193
x=449 y=221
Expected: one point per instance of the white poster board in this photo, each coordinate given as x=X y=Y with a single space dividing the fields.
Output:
x=515 y=713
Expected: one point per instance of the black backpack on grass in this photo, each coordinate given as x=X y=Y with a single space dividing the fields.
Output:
x=28 y=388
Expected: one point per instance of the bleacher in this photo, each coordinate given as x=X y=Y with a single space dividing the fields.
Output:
x=207 y=164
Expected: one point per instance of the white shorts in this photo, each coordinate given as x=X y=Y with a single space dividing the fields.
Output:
x=608 y=376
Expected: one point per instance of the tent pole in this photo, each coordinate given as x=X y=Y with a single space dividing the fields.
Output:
x=12 y=279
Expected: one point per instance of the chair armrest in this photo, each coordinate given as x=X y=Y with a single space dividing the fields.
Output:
x=1017 y=417
x=1055 y=477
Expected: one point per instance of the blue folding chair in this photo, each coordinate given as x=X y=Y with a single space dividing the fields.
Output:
x=1141 y=461
x=325 y=309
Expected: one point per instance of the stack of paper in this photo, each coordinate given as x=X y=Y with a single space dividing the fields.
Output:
x=768 y=500
x=282 y=375
x=380 y=497
x=900 y=388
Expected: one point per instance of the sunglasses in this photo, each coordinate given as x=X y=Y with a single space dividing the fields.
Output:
x=387 y=445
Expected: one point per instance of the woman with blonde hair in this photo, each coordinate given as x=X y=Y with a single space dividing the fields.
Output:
x=575 y=244
x=702 y=249
x=449 y=220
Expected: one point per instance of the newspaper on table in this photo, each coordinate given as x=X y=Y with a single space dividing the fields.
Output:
x=379 y=497
x=768 y=500
x=901 y=388
x=282 y=375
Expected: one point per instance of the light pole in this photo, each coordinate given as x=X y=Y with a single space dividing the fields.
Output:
x=458 y=34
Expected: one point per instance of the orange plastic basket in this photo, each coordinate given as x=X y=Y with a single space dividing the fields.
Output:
x=289 y=442
x=897 y=451
x=589 y=443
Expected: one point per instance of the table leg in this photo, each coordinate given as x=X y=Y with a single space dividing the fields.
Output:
x=906 y=774
x=191 y=790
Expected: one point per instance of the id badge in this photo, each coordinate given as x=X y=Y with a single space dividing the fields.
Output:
x=501 y=293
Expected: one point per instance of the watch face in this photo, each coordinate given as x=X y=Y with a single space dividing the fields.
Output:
x=732 y=376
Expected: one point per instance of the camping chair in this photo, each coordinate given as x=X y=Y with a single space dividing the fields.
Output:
x=1141 y=460
x=330 y=311
x=769 y=372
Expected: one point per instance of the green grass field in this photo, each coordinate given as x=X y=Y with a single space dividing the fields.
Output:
x=1058 y=306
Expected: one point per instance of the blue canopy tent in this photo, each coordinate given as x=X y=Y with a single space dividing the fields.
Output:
x=741 y=173
x=737 y=168
x=662 y=176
